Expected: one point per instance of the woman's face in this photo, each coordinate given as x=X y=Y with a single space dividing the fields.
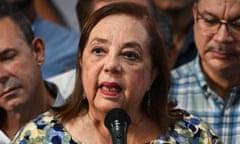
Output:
x=116 y=64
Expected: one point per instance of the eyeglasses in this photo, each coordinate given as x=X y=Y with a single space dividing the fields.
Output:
x=211 y=25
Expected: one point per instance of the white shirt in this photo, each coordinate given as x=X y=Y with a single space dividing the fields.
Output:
x=65 y=82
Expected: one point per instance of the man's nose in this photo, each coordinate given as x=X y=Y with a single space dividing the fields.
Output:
x=4 y=74
x=224 y=34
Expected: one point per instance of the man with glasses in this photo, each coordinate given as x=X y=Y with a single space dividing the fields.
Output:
x=209 y=86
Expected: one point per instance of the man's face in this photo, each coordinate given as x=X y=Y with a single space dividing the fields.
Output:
x=218 y=44
x=19 y=67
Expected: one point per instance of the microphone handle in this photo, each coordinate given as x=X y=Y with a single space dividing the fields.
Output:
x=119 y=132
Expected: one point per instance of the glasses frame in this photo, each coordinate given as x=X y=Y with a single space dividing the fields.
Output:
x=230 y=25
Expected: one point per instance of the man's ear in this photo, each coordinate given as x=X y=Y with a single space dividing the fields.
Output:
x=38 y=49
x=80 y=60
x=194 y=11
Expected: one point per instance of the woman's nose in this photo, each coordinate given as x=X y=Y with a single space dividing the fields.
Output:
x=112 y=65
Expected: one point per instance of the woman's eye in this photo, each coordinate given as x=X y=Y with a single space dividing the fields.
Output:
x=98 y=51
x=131 y=56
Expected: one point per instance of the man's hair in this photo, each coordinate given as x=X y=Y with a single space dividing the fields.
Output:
x=22 y=4
x=19 y=19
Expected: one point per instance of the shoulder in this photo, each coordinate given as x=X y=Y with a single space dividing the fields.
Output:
x=186 y=75
x=44 y=128
x=189 y=130
x=34 y=129
x=192 y=129
x=185 y=70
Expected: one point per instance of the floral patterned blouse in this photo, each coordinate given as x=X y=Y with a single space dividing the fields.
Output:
x=45 y=129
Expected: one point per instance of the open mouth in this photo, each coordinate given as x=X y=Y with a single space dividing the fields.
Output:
x=109 y=88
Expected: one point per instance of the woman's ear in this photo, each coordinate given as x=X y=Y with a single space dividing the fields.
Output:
x=38 y=49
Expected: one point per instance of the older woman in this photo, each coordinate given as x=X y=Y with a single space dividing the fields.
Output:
x=121 y=64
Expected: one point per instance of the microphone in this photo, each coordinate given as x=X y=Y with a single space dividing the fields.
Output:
x=117 y=122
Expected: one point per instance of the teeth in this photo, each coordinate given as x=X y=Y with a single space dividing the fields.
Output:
x=111 y=89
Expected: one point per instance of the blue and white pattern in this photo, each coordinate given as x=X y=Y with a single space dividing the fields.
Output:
x=189 y=88
x=45 y=129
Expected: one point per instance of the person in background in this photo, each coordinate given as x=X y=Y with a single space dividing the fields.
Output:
x=121 y=64
x=166 y=30
x=61 y=43
x=85 y=8
x=180 y=16
x=48 y=10
x=209 y=86
x=23 y=92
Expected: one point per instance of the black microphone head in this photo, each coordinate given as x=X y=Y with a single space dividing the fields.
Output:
x=117 y=122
